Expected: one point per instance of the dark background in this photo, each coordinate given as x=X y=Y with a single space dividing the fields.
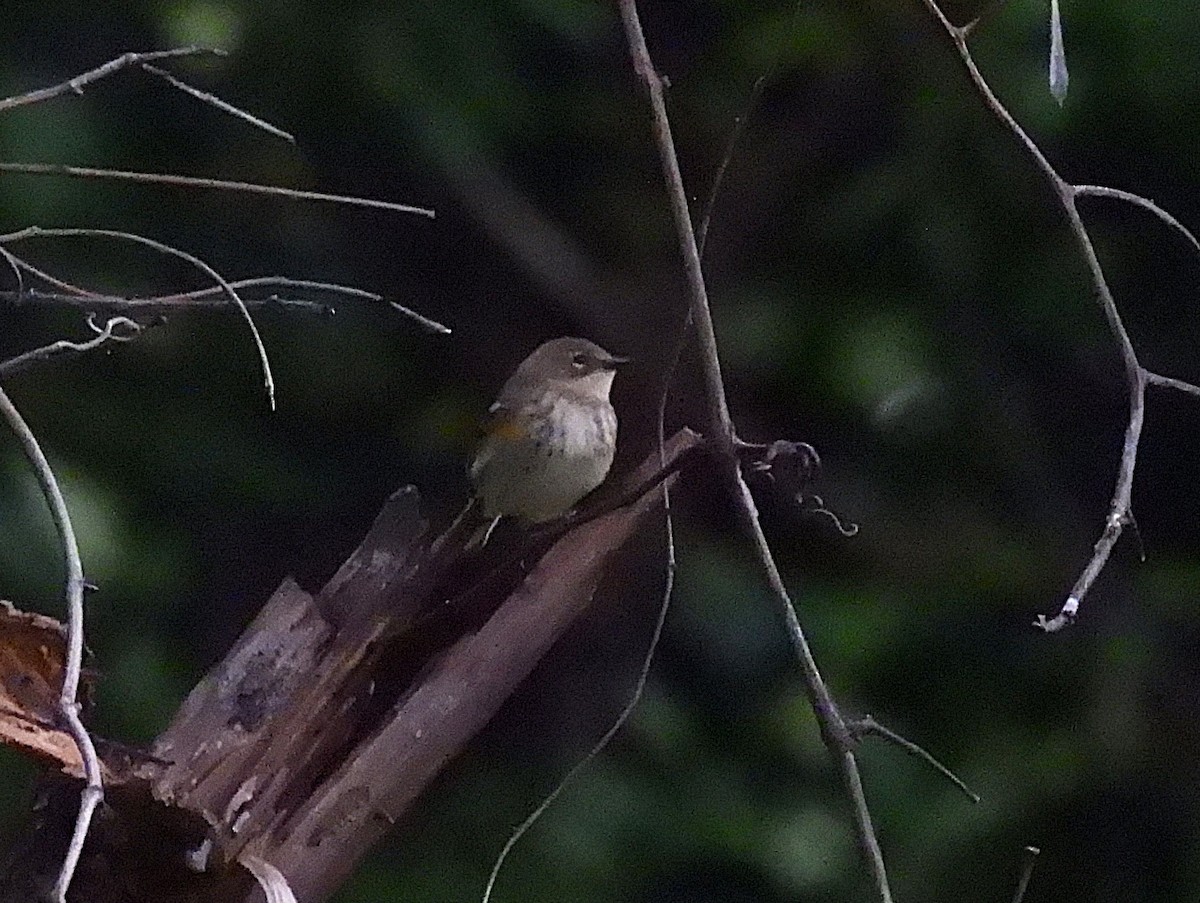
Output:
x=891 y=281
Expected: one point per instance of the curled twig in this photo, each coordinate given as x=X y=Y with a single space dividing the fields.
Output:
x=117 y=329
x=814 y=504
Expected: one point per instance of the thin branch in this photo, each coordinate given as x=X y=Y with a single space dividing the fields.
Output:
x=634 y=698
x=722 y=430
x=1028 y=861
x=1136 y=377
x=23 y=265
x=223 y=106
x=150 y=178
x=332 y=288
x=76 y=85
x=865 y=725
x=833 y=728
x=14 y=264
x=117 y=329
x=230 y=292
x=93 y=791
x=1169 y=382
x=735 y=135
x=1129 y=197
x=834 y=731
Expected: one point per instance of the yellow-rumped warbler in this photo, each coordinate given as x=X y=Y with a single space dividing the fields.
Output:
x=550 y=437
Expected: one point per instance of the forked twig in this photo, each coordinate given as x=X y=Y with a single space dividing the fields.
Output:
x=1137 y=377
x=332 y=288
x=867 y=724
x=76 y=84
x=93 y=791
x=213 y=296
x=146 y=306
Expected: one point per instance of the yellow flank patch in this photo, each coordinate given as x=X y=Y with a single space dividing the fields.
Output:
x=507 y=429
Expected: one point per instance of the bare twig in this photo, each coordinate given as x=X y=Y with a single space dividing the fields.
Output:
x=145 y=60
x=1136 y=376
x=331 y=288
x=223 y=106
x=150 y=178
x=230 y=292
x=1028 y=861
x=76 y=85
x=93 y=791
x=731 y=143
x=865 y=725
x=833 y=728
x=117 y=329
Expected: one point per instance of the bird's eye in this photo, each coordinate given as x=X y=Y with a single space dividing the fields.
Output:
x=579 y=360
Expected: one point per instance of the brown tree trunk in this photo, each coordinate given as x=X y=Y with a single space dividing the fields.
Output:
x=328 y=717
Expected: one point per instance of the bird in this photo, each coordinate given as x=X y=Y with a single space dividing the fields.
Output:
x=550 y=437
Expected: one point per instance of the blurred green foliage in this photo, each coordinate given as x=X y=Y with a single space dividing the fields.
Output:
x=891 y=282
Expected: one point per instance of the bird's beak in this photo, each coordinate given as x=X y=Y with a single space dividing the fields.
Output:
x=613 y=361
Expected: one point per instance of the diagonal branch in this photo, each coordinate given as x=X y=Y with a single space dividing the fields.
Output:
x=834 y=731
x=124 y=61
x=222 y=105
